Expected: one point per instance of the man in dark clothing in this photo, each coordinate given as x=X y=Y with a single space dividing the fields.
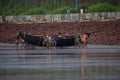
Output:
x=17 y=41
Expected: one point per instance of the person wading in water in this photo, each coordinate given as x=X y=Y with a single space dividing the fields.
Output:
x=77 y=41
x=45 y=41
x=84 y=39
x=17 y=41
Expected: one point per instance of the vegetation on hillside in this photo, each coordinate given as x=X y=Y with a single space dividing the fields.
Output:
x=103 y=7
x=33 y=7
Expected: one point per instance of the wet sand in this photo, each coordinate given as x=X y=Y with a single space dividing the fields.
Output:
x=5 y=48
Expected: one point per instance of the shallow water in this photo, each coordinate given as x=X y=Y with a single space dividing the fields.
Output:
x=32 y=65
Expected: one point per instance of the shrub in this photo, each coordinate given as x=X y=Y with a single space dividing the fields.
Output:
x=102 y=7
x=117 y=8
x=60 y=10
x=35 y=11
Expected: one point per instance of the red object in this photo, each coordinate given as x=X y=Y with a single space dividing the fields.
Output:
x=85 y=37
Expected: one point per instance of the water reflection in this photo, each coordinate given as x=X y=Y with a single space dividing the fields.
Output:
x=82 y=69
x=49 y=66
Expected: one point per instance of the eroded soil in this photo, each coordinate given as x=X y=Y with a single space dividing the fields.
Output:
x=106 y=32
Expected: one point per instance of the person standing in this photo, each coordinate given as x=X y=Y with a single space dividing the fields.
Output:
x=84 y=39
x=17 y=41
x=49 y=42
x=81 y=14
x=54 y=42
x=77 y=41
x=68 y=14
x=45 y=41
x=81 y=10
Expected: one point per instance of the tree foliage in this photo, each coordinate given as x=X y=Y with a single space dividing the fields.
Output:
x=102 y=7
x=18 y=7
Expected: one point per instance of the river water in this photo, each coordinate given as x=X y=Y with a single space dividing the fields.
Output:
x=60 y=64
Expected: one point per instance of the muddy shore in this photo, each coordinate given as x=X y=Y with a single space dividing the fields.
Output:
x=106 y=32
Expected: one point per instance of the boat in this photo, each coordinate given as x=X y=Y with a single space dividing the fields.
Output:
x=38 y=40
